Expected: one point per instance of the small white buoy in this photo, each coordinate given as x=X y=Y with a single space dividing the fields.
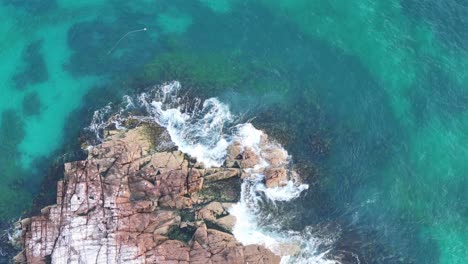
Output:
x=126 y=34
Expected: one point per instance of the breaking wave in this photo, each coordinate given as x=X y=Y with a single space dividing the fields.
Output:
x=204 y=130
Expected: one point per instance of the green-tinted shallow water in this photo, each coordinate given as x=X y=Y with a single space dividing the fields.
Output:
x=371 y=95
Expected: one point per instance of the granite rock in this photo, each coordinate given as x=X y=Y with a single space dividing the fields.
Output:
x=120 y=205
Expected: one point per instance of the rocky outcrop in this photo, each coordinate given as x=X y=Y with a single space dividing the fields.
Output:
x=130 y=202
x=217 y=213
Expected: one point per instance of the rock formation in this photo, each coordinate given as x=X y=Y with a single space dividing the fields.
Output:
x=133 y=201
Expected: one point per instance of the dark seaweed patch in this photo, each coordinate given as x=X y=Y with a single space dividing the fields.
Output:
x=11 y=134
x=31 y=104
x=33 y=6
x=222 y=191
x=34 y=70
x=182 y=234
x=15 y=190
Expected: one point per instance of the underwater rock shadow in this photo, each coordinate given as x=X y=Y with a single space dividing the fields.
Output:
x=91 y=42
x=33 y=6
x=32 y=105
x=34 y=69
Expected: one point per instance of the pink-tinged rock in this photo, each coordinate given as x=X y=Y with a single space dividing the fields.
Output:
x=234 y=156
x=120 y=204
x=172 y=250
x=249 y=158
x=223 y=174
x=274 y=155
x=194 y=181
x=217 y=213
x=275 y=177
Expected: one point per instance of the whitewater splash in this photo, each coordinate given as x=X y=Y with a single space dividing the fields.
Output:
x=205 y=130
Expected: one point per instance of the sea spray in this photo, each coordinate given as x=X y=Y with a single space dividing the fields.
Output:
x=199 y=134
x=204 y=130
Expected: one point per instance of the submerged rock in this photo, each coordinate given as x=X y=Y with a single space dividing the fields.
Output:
x=121 y=204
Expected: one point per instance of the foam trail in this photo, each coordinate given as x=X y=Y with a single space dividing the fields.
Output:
x=205 y=132
x=126 y=34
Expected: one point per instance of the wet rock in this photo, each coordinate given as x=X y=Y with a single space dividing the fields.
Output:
x=213 y=246
x=225 y=191
x=217 y=214
x=275 y=156
x=248 y=158
x=233 y=156
x=275 y=177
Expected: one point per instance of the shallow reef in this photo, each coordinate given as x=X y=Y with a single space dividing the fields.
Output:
x=34 y=69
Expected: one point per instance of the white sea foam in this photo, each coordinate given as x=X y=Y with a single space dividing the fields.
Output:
x=99 y=121
x=247 y=229
x=204 y=133
x=200 y=133
x=294 y=247
x=285 y=193
x=249 y=136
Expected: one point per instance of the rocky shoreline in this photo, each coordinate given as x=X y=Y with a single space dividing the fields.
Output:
x=137 y=199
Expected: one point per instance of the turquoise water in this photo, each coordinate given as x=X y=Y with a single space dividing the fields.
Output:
x=370 y=97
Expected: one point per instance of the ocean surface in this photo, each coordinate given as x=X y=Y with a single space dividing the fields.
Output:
x=370 y=98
